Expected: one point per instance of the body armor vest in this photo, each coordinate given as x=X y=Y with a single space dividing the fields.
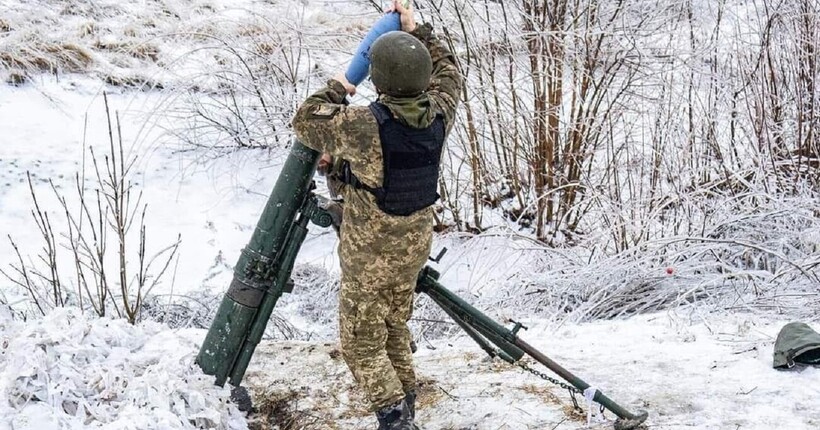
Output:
x=411 y=164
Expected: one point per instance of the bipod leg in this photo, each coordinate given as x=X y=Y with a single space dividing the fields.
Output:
x=482 y=342
x=626 y=420
x=486 y=329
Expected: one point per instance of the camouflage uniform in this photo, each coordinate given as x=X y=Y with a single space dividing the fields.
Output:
x=380 y=254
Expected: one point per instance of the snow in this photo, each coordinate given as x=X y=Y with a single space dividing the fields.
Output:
x=685 y=371
x=212 y=204
x=708 y=371
x=68 y=371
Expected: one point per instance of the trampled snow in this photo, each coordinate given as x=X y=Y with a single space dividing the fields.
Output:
x=69 y=371
x=687 y=369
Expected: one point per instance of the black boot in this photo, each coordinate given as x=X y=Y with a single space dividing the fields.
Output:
x=395 y=417
x=410 y=401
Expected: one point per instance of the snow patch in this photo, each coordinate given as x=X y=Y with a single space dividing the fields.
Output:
x=69 y=371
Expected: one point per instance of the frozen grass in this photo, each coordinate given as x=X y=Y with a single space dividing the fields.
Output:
x=141 y=44
x=756 y=254
x=761 y=257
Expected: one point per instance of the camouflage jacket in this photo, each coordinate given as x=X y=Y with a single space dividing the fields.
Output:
x=325 y=123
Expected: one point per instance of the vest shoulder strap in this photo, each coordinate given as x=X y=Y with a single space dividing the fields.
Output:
x=381 y=112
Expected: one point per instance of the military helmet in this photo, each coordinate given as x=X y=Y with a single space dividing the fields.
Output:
x=796 y=343
x=400 y=65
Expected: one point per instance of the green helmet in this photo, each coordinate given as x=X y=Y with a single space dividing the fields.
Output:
x=400 y=65
x=796 y=343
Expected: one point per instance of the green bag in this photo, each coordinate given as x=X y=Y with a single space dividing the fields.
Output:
x=796 y=343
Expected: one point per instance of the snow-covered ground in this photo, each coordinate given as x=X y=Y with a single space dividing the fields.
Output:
x=68 y=371
x=687 y=371
x=213 y=204
x=692 y=366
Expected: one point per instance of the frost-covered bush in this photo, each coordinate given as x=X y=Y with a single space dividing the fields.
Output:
x=309 y=312
x=763 y=257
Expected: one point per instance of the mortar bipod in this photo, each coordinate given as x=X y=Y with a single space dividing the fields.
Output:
x=511 y=348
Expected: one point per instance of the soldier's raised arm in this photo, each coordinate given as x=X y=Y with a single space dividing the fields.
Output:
x=446 y=82
x=325 y=123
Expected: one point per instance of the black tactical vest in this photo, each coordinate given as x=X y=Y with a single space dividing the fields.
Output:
x=411 y=164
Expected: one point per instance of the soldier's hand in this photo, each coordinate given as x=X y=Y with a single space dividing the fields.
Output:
x=350 y=88
x=324 y=164
x=408 y=21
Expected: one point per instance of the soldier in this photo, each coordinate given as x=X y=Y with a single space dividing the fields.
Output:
x=392 y=150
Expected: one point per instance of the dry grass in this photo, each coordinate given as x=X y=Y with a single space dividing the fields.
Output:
x=266 y=48
x=133 y=81
x=88 y=28
x=69 y=56
x=253 y=30
x=546 y=395
x=279 y=410
x=574 y=414
x=43 y=56
x=16 y=78
x=38 y=37
x=542 y=392
x=428 y=393
x=17 y=60
x=286 y=410
x=143 y=51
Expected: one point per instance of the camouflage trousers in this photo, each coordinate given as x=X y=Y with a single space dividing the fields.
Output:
x=380 y=257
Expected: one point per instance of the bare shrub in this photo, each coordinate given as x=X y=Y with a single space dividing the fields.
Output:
x=181 y=311
x=313 y=295
x=315 y=291
x=545 y=83
x=627 y=118
x=112 y=214
x=781 y=96
x=248 y=100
